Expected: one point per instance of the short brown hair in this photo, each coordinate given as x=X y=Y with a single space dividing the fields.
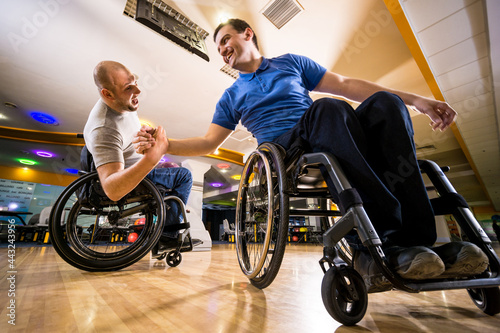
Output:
x=239 y=26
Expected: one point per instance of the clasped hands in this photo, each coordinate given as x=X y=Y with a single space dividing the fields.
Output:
x=148 y=138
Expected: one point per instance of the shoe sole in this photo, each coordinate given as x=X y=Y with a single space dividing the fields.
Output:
x=376 y=283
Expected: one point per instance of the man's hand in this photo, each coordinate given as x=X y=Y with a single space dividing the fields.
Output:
x=144 y=139
x=158 y=147
x=440 y=113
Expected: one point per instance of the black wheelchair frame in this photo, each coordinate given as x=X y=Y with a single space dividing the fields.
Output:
x=91 y=232
x=265 y=188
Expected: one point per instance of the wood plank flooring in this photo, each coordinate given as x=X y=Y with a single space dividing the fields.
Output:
x=208 y=292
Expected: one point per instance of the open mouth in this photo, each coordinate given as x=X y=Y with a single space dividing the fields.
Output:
x=228 y=57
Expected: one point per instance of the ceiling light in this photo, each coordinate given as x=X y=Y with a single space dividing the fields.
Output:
x=216 y=184
x=44 y=153
x=236 y=177
x=44 y=118
x=72 y=171
x=223 y=166
x=26 y=161
x=10 y=105
x=223 y=18
x=145 y=123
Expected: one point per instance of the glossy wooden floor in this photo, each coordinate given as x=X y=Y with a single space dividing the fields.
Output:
x=208 y=293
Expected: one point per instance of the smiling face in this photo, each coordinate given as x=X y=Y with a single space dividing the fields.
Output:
x=126 y=91
x=235 y=48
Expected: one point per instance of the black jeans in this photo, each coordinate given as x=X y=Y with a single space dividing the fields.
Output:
x=375 y=148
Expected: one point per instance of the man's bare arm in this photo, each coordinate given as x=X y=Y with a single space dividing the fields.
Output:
x=118 y=181
x=195 y=146
x=440 y=113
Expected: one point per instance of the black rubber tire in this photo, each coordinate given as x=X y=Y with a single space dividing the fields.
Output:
x=487 y=299
x=260 y=261
x=174 y=258
x=336 y=297
x=82 y=245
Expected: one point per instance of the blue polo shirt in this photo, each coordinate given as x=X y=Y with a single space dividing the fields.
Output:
x=271 y=100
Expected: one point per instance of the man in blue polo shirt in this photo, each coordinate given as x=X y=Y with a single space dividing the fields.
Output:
x=271 y=99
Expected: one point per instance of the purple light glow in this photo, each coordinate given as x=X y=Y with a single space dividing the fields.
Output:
x=216 y=184
x=44 y=153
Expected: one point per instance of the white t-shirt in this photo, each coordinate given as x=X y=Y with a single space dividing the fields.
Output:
x=108 y=135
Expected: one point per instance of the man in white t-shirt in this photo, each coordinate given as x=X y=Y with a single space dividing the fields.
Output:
x=108 y=135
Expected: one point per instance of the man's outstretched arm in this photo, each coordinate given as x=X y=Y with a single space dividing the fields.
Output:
x=440 y=113
x=195 y=146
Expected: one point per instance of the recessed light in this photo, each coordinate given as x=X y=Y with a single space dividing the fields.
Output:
x=223 y=166
x=10 y=105
x=44 y=153
x=216 y=184
x=44 y=118
x=26 y=161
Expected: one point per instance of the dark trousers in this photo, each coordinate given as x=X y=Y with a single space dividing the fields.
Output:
x=375 y=148
x=179 y=181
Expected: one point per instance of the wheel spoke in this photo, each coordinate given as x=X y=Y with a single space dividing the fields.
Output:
x=102 y=234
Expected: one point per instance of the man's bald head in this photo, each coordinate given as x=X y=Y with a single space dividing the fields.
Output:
x=104 y=74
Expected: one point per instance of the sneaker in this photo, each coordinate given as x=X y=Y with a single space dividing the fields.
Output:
x=415 y=263
x=462 y=259
x=374 y=280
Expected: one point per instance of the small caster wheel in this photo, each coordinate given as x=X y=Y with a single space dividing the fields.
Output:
x=344 y=295
x=174 y=259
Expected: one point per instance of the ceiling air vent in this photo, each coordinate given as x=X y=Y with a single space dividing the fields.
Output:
x=280 y=12
x=130 y=8
x=230 y=71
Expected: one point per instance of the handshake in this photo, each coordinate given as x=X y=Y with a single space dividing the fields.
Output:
x=148 y=138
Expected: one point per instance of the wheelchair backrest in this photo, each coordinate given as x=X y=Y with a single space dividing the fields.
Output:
x=86 y=160
x=90 y=193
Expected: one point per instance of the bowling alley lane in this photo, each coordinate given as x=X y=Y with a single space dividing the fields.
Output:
x=208 y=292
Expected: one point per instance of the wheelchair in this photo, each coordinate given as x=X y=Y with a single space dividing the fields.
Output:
x=93 y=233
x=262 y=216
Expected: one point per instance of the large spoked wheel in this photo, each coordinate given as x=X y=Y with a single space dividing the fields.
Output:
x=487 y=299
x=262 y=216
x=94 y=233
x=344 y=295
